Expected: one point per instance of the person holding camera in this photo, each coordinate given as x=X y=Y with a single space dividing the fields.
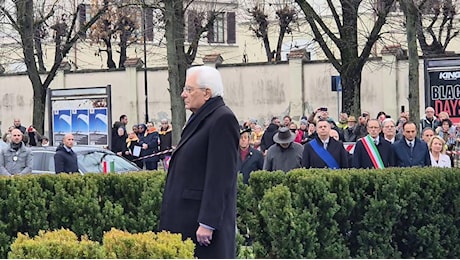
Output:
x=319 y=113
x=361 y=129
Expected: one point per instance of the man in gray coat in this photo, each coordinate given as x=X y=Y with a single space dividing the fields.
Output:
x=285 y=155
x=16 y=158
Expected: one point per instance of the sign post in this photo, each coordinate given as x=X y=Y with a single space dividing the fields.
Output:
x=83 y=112
x=336 y=85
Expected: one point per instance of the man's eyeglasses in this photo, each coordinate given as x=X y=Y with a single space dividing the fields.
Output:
x=189 y=89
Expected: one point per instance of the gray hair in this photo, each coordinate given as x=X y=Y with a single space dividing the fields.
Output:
x=208 y=77
x=384 y=122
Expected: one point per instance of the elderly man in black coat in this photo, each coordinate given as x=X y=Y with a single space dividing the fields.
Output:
x=250 y=159
x=199 y=200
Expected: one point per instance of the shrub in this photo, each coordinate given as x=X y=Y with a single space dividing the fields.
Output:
x=57 y=244
x=121 y=244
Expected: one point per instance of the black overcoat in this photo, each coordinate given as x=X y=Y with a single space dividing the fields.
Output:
x=201 y=182
x=361 y=158
x=254 y=162
x=310 y=159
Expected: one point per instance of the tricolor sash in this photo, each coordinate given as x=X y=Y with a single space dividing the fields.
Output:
x=372 y=151
x=324 y=155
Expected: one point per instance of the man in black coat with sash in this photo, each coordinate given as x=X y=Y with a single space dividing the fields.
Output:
x=373 y=151
x=199 y=200
x=323 y=151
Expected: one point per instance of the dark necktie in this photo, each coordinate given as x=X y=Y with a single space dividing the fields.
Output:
x=411 y=145
x=376 y=142
x=325 y=145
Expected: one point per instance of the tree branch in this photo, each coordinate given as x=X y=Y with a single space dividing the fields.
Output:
x=308 y=11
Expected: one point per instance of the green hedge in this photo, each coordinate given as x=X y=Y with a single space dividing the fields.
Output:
x=391 y=213
x=87 y=205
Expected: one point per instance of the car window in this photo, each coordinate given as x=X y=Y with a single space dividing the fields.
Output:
x=37 y=161
x=49 y=162
x=92 y=162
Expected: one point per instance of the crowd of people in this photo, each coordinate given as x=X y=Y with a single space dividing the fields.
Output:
x=145 y=145
x=378 y=142
x=137 y=145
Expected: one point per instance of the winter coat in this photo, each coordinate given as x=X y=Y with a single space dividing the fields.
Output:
x=65 y=161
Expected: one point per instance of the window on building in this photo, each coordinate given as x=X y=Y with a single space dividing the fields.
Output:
x=221 y=30
x=216 y=30
x=83 y=13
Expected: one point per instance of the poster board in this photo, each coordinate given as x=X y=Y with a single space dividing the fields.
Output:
x=84 y=112
x=442 y=86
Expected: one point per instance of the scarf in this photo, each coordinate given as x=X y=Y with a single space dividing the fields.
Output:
x=16 y=146
x=129 y=140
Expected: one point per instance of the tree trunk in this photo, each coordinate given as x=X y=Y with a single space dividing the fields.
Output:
x=110 y=63
x=177 y=65
x=123 y=46
x=280 y=42
x=411 y=12
x=25 y=22
x=350 y=71
x=39 y=106
x=351 y=90
x=268 y=52
x=39 y=49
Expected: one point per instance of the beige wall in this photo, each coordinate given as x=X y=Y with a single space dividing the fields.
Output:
x=252 y=91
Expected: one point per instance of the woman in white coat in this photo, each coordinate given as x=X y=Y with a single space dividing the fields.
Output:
x=437 y=147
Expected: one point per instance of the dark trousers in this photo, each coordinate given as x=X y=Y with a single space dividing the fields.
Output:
x=151 y=165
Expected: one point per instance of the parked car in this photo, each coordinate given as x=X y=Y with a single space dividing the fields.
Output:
x=90 y=160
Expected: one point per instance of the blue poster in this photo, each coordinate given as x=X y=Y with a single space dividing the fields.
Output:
x=62 y=124
x=80 y=126
x=98 y=128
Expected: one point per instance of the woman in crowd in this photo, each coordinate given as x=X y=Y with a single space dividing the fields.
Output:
x=131 y=142
x=119 y=142
x=256 y=137
x=437 y=149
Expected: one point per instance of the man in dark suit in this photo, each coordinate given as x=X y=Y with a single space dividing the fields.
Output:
x=199 y=200
x=410 y=150
x=65 y=160
x=324 y=152
x=250 y=159
x=373 y=151
x=389 y=131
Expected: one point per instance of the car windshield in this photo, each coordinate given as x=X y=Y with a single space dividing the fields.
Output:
x=92 y=162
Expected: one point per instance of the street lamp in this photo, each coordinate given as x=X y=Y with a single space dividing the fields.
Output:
x=146 y=95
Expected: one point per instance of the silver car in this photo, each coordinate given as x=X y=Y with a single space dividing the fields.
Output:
x=90 y=160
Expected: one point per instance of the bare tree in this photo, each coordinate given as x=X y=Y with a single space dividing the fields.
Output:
x=285 y=15
x=436 y=26
x=120 y=22
x=26 y=22
x=343 y=36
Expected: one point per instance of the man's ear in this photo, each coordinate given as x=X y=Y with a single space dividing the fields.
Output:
x=208 y=94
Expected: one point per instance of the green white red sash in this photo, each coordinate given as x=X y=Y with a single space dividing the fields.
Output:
x=372 y=151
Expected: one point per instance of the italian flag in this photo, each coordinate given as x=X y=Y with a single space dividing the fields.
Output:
x=108 y=167
x=372 y=151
